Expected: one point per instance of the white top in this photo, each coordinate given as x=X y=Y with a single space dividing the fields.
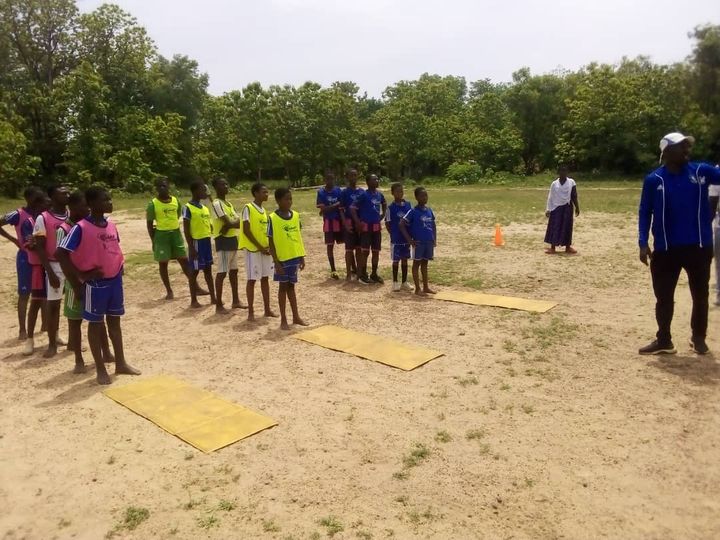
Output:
x=246 y=211
x=40 y=229
x=560 y=194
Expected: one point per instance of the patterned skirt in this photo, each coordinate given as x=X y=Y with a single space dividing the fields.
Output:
x=560 y=226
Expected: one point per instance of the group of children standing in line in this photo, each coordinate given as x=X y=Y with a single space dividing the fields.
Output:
x=67 y=248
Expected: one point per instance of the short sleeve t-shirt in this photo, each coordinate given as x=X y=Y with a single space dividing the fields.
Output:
x=246 y=211
x=421 y=222
x=150 y=211
x=26 y=227
x=348 y=196
x=395 y=213
x=328 y=198
x=369 y=206
x=72 y=241
x=40 y=228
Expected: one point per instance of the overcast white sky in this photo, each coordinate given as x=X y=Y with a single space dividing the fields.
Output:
x=376 y=43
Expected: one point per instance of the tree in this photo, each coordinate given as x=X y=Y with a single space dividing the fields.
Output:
x=16 y=165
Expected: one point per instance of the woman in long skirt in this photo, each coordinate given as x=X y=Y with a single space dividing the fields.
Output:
x=561 y=200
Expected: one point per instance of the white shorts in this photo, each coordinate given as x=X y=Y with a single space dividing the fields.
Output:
x=53 y=293
x=227 y=260
x=258 y=265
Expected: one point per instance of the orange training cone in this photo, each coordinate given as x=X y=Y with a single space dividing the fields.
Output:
x=499 y=240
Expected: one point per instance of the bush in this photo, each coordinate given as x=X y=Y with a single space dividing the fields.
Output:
x=463 y=174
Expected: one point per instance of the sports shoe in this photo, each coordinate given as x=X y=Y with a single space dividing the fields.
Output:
x=698 y=345
x=334 y=275
x=396 y=286
x=658 y=348
x=406 y=286
x=377 y=279
x=29 y=347
x=364 y=280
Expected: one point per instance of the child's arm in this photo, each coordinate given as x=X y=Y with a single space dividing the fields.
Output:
x=387 y=223
x=68 y=268
x=192 y=253
x=574 y=199
x=302 y=263
x=249 y=235
x=384 y=209
x=6 y=234
x=278 y=265
x=434 y=231
x=42 y=255
x=404 y=231
x=149 y=219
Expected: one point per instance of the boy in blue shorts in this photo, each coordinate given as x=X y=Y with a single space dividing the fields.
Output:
x=198 y=232
x=418 y=229
x=92 y=260
x=23 y=219
x=348 y=196
x=288 y=252
x=368 y=212
x=399 y=247
x=328 y=201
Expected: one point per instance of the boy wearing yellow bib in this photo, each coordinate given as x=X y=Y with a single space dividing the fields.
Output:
x=163 y=226
x=288 y=252
x=226 y=229
x=198 y=231
x=254 y=240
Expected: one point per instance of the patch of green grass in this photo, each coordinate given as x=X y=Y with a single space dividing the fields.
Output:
x=332 y=525
x=269 y=525
x=208 y=522
x=193 y=503
x=556 y=332
x=417 y=455
x=226 y=505
x=365 y=535
x=504 y=386
x=139 y=259
x=402 y=499
x=224 y=469
x=467 y=381
x=132 y=518
x=401 y=475
x=475 y=434
x=443 y=437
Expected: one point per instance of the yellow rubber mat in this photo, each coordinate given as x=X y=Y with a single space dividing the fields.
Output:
x=196 y=416
x=510 y=302
x=368 y=346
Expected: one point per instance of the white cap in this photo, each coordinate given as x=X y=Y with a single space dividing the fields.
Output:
x=674 y=138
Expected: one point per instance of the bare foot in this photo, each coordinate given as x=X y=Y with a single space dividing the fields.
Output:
x=300 y=322
x=109 y=359
x=420 y=293
x=51 y=351
x=195 y=305
x=22 y=336
x=170 y=296
x=284 y=325
x=429 y=291
x=202 y=292
x=79 y=368
x=239 y=305
x=125 y=369
x=251 y=316
x=103 y=377
x=270 y=313
x=220 y=310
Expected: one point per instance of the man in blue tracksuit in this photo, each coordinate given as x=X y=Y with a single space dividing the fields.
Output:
x=675 y=206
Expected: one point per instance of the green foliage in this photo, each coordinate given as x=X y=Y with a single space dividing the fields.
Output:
x=462 y=174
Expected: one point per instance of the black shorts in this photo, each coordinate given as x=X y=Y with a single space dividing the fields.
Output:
x=352 y=240
x=334 y=238
x=371 y=240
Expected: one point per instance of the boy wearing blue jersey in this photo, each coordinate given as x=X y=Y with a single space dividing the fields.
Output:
x=368 y=212
x=348 y=196
x=328 y=202
x=419 y=229
x=399 y=247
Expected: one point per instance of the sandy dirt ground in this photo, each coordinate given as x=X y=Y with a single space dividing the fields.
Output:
x=531 y=426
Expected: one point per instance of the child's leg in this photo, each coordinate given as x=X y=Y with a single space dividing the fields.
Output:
x=95 y=332
x=75 y=338
x=282 y=296
x=250 y=293
x=265 y=289
x=356 y=260
x=375 y=262
x=207 y=271
x=115 y=332
x=404 y=264
x=165 y=277
x=22 y=309
x=349 y=263
x=219 y=278
x=395 y=265
x=236 y=303
x=108 y=357
x=416 y=277
x=194 y=288
x=35 y=308
x=293 y=305
x=187 y=270
x=53 y=310
x=331 y=256
x=424 y=268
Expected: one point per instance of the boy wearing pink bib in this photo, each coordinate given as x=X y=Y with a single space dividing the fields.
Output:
x=92 y=260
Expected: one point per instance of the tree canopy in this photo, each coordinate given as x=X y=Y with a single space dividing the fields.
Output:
x=86 y=97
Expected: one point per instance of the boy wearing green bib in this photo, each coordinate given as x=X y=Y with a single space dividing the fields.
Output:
x=288 y=252
x=254 y=240
x=198 y=232
x=226 y=229
x=163 y=215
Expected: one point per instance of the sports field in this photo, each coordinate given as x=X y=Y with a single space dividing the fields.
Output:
x=531 y=426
